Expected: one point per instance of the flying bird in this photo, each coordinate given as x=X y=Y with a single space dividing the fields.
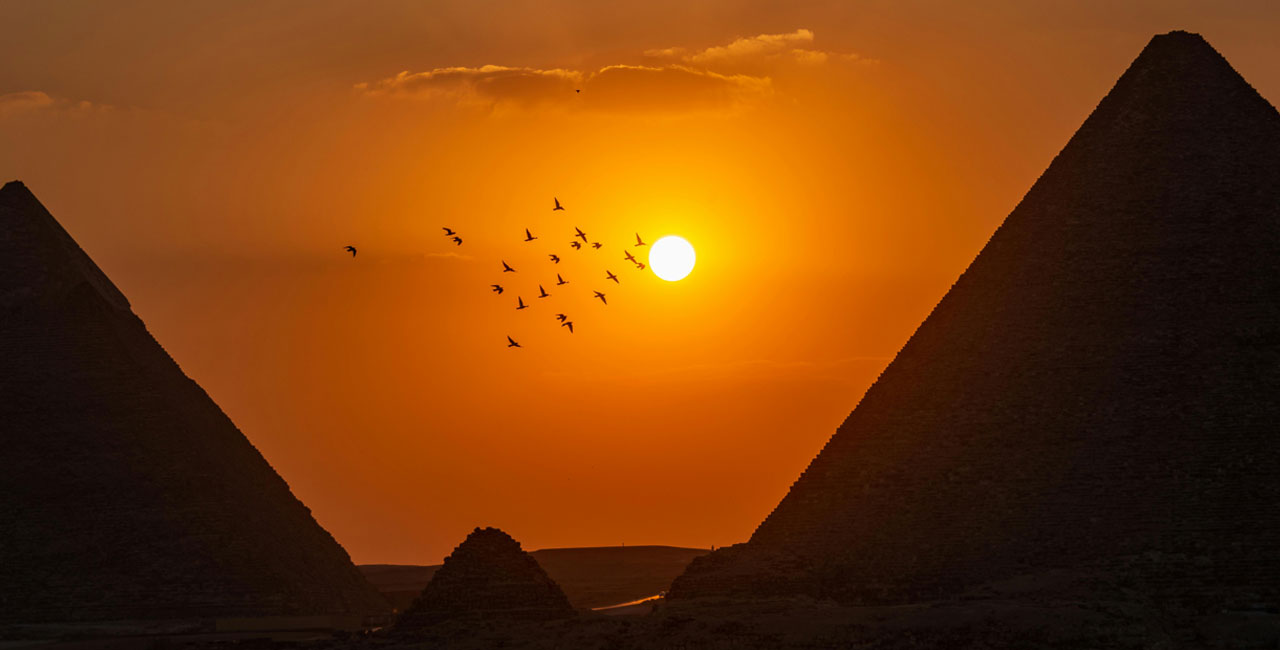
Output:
x=640 y=265
x=352 y=249
x=640 y=242
x=497 y=288
x=528 y=236
x=581 y=234
x=457 y=240
x=542 y=293
x=521 y=302
x=506 y=268
x=575 y=245
x=568 y=324
x=596 y=245
x=561 y=317
x=448 y=232
x=560 y=280
x=555 y=258
x=608 y=275
x=629 y=257
x=558 y=206
x=601 y=297
x=511 y=343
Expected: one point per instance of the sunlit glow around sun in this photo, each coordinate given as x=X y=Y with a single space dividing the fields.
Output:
x=672 y=258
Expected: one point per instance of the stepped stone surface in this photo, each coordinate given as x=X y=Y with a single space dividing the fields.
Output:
x=125 y=492
x=1099 y=391
x=489 y=576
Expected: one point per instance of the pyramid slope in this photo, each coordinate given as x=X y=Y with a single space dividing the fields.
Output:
x=125 y=491
x=1099 y=388
x=487 y=576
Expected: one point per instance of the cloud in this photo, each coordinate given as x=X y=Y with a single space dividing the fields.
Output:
x=485 y=86
x=753 y=48
x=33 y=101
x=721 y=78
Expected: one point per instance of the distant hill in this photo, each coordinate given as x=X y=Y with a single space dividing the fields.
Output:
x=590 y=577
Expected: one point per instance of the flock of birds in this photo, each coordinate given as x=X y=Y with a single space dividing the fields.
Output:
x=555 y=259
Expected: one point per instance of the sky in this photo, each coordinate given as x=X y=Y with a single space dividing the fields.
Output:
x=836 y=165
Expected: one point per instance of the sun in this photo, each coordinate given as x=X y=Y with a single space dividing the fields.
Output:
x=672 y=258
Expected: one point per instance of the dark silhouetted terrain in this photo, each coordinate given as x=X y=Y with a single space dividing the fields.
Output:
x=590 y=577
x=1097 y=394
x=125 y=492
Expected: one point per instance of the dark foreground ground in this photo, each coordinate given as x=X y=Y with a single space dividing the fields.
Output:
x=1006 y=616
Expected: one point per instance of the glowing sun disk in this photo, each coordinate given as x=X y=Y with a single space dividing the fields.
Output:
x=672 y=258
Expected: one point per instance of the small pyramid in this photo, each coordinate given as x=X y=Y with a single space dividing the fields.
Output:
x=1099 y=390
x=488 y=577
x=125 y=492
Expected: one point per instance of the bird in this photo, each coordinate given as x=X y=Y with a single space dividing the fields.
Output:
x=596 y=245
x=506 y=268
x=558 y=206
x=575 y=245
x=448 y=232
x=555 y=258
x=640 y=265
x=561 y=317
x=521 y=302
x=581 y=234
x=629 y=257
x=352 y=249
x=568 y=324
x=457 y=240
x=601 y=297
x=528 y=236
x=608 y=275
x=560 y=280
x=640 y=242
x=542 y=293
x=511 y=343
x=497 y=288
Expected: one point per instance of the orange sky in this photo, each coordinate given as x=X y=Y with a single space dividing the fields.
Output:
x=836 y=164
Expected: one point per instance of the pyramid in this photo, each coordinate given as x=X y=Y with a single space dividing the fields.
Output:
x=1099 y=391
x=125 y=492
x=488 y=576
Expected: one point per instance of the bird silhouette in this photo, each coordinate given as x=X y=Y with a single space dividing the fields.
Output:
x=352 y=249
x=575 y=245
x=560 y=280
x=542 y=293
x=640 y=242
x=601 y=297
x=568 y=324
x=506 y=268
x=448 y=232
x=555 y=258
x=640 y=265
x=497 y=288
x=561 y=317
x=558 y=206
x=596 y=245
x=457 y=240
x=511 y=343
x=629 y=257
x=581 y=234
x=608 y=275
x=521 y=303
x=528 y=236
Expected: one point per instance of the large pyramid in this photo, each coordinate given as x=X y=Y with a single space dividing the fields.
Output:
x=1100 y=390
x=487 y=577
x=125 y=492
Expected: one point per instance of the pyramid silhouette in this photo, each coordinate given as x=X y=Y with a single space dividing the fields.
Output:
x=487 y=576
x=125 y=492
x=1099 y=390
